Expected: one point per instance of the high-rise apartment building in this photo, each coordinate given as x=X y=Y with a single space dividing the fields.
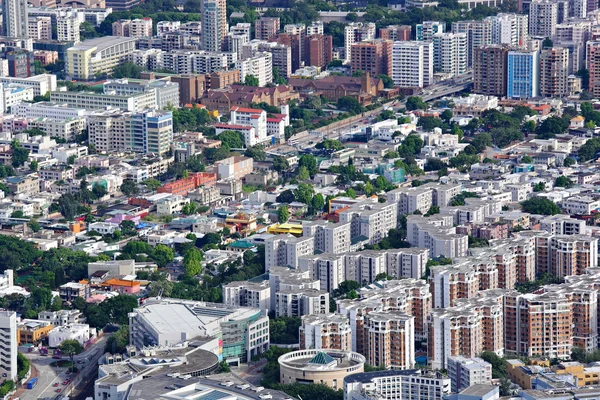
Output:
x=14 y=19
x=266 y=28
x=213 y=30
x=8 y=343
x=489 y=70
x=543 y=18
x=479 y=33
x=260 y=66
x=389 y=340
x=373 y=56
x=554 y=70
x=578 y=8
x=522 y=74
x=284 y=250
x=318 y=50
x=396 y=32
x=464 y=372
x=509 y=29
x=450 y=283
x=329 y=331
x=247 y=294
x=593 y=66
x=427 y=29
x=412 y=63
x=450 y=53
x=357 y=32
x=40 y=28
x=538 y=325
x=67 y=28
x=133 y=27
x=329 y=238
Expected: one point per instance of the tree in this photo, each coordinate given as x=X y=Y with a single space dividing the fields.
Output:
x=388 y=82
x=310 y=162
x=251 y=80
x=283 y=214
x=257 y=153
x=569 y=161
x=434 y=164
x=117 y=342
x=34 y=225
x=128 y=228
x=350 y=104
x=527 y=160
x=99 y=191
x=563 y=181
x=232 y=139
x=127 y=70
x=162 y=255
x=189 y=208
x=19 y=154
x=117 y=308
x=287 y=196
x=551 y=126
x=303 y=174
x=539 y=187
x=87 y=31
x=33 y=165
x=129 y=188
x=151 y=184
x=317 y=203
x=416 y=103
x=429 y=123
x=446 y=115
x=192 y=262
x=304 y=193
x=541 y=206
x=17 y=214
x=280 y=164
x=71 y=348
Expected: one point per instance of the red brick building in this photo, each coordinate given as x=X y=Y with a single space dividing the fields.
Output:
x=317 y=50
x=181 y=187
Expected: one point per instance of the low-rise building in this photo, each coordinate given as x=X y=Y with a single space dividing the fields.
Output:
x=79 y=332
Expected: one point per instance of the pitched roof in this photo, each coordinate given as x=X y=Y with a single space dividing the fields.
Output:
x=321 y=358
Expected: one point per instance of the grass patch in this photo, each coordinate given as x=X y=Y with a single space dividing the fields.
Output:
x=61 y=364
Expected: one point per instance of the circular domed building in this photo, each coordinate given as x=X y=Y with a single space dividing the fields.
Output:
x=328 y=367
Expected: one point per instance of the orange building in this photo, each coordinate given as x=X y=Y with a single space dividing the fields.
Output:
x=181 y=187
x=373 y=56
x=330 y=331
x=33 y=331
x=122 y=286
x=389 y=339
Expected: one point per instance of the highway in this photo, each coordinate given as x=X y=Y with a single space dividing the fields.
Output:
x=357 y=123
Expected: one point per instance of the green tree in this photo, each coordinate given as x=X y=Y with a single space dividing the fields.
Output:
x=151 y=184
x=127 y=70
x=350 y=104
x=303 y=174
x=129 y=188
x=541 y=206
x=19 y=154
x=563 y=181
x=17 y=214
x=33 y=165
x=251 y=80
x=310 y=162
x=189 y=208
x=539 y=187
x=317 y=203
x=527 y=160
x=257 y=153
x=569 y=161
x=71 y=348
x=34 y=225
x=416 y=103
x=128 y=228
x=388 y=82
x=192 y=262
x=162 y=255
x=117 y=308
x=118 y=341
x=232 y=139
x=280 y=164
x=304 y=193
x=283 y=214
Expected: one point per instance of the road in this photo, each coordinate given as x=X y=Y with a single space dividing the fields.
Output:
x=48 y=376
x=356 y=124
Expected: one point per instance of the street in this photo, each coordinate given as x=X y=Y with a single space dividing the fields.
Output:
x=51 y=378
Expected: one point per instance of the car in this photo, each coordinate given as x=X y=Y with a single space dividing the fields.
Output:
x=65 y=382
x=58 y=390
x=68 y=372
x=4 y=375
x=79 y=362
x=57 y=357
x=56 y=384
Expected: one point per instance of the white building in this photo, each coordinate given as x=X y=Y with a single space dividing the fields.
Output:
x=169 y=322
x=8 y=343
x=450 y=53
x=67 y=29
x=543 y=18
x=14 y=21
x=329 y=238
x=7 y=286
x=260 y=66
x=297 y=303
x=412 y=63
x=41 y=84
x=79 y=332
x=356 y=32
x=370 y=219
x=386 y=385
x=247 y=294
x=426 y=30
x=13 y=94
x=171 y=205
x=509 y=29
x=318 y=330
x=104 y=228
x=284 y=250
x=580 y=205
x=465 y=372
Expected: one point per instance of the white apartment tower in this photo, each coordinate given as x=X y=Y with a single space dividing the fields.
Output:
x=8 y=343
x=543 y=18
x=67 y=28
x=450 y=53
x=412 y=63
x=357 y=32
x=479 y=33
x=509 y=29
x=260 y=66
x=213 y=31
x=14 y=19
